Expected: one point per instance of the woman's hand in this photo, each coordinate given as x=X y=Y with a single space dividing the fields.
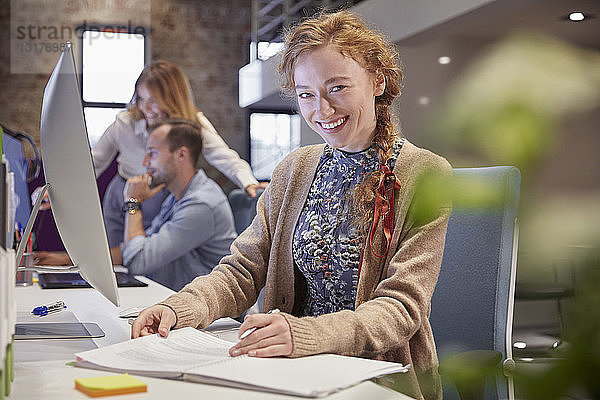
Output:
x=156 y=319
x=271 y=338
x=51 y=258
x=251 y=189
x=45 y=204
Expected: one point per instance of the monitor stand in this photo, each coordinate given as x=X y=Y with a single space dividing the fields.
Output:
x=49 y=330
x=25 y=239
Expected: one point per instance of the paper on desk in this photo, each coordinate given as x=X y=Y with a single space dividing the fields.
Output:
x=196 y=356
x=224 y=328
x=158 y=355
x=130 y=312
x=311 y=376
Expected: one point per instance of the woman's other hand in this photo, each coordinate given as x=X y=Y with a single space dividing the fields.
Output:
x=156 y=319
x=51 y=258
x=45 y=204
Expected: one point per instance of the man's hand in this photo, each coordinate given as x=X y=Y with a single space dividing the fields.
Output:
x=156 y=319
x=272 y=337
x=252 y=189
x=51 y=258
x=138 y=188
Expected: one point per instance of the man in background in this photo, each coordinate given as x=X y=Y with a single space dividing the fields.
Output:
x=194 y=227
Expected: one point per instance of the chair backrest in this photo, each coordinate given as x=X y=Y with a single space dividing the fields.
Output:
x=243 y=207
x=13 y=150
x=472 y=305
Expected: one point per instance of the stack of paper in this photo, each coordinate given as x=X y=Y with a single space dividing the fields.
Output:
x=197 y=356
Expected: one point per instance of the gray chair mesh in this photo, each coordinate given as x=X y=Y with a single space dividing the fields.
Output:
x=243 y=207
x=469 y=308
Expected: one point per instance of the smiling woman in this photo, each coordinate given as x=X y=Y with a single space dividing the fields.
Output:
x=336 y=96
x=370 y=62
x=340 y=242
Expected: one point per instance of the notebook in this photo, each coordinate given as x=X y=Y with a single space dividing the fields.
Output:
x=195 y=356
x=68 y=280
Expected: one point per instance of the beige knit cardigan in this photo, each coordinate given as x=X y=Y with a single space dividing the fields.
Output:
x=390 y=320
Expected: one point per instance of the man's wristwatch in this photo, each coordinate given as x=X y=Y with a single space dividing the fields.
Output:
x=132 y=205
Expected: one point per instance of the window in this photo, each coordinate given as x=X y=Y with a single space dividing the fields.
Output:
x=272 y=137
x=97 y=119
x=264 y=50
x=112 y=59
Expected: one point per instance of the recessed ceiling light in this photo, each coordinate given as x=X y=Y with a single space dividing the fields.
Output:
x=576 y=16
x=444 y=60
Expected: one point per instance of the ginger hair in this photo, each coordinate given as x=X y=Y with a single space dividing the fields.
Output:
x=353 y=38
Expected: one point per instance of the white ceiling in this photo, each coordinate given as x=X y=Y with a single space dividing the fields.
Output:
x=465 y=37
x=544 y=16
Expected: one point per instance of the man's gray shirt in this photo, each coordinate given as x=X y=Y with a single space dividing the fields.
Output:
x=186 y=239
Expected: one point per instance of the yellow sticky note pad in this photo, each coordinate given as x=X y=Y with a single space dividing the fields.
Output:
x=109 y=385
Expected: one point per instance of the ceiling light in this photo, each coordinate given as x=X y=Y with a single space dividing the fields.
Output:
x=444 y=60
x=423 y=100
x=576 y=16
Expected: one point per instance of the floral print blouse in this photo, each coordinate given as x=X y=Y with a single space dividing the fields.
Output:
x=327 y=244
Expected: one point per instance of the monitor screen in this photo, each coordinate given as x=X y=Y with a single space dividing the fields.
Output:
x=13 y=150
x=69 y=171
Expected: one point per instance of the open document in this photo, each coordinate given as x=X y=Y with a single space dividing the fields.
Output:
x=196 y=356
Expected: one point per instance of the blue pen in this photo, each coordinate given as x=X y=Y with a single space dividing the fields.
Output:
x=49 y=308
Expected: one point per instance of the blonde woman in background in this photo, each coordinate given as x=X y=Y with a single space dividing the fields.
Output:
x=161 y=91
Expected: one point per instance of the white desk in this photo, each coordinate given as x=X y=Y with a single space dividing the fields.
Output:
x=41 y=373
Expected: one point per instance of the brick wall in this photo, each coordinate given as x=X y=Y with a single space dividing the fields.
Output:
x=207 y=38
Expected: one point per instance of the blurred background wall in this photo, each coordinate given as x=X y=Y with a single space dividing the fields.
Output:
x=208 y=39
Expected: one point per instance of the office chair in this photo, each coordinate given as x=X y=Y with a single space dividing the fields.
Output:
x=472 y=306
x=244 y=211
x=243 y=207
x=542 y=304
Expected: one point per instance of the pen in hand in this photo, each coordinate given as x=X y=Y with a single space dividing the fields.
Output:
x=249 y=331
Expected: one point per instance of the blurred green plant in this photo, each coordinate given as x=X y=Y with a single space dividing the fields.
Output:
x=509 y=103
x=508 y=108
x=434 y=191
x=577 y=371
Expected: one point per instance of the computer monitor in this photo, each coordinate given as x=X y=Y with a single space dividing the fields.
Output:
x=71 y=180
